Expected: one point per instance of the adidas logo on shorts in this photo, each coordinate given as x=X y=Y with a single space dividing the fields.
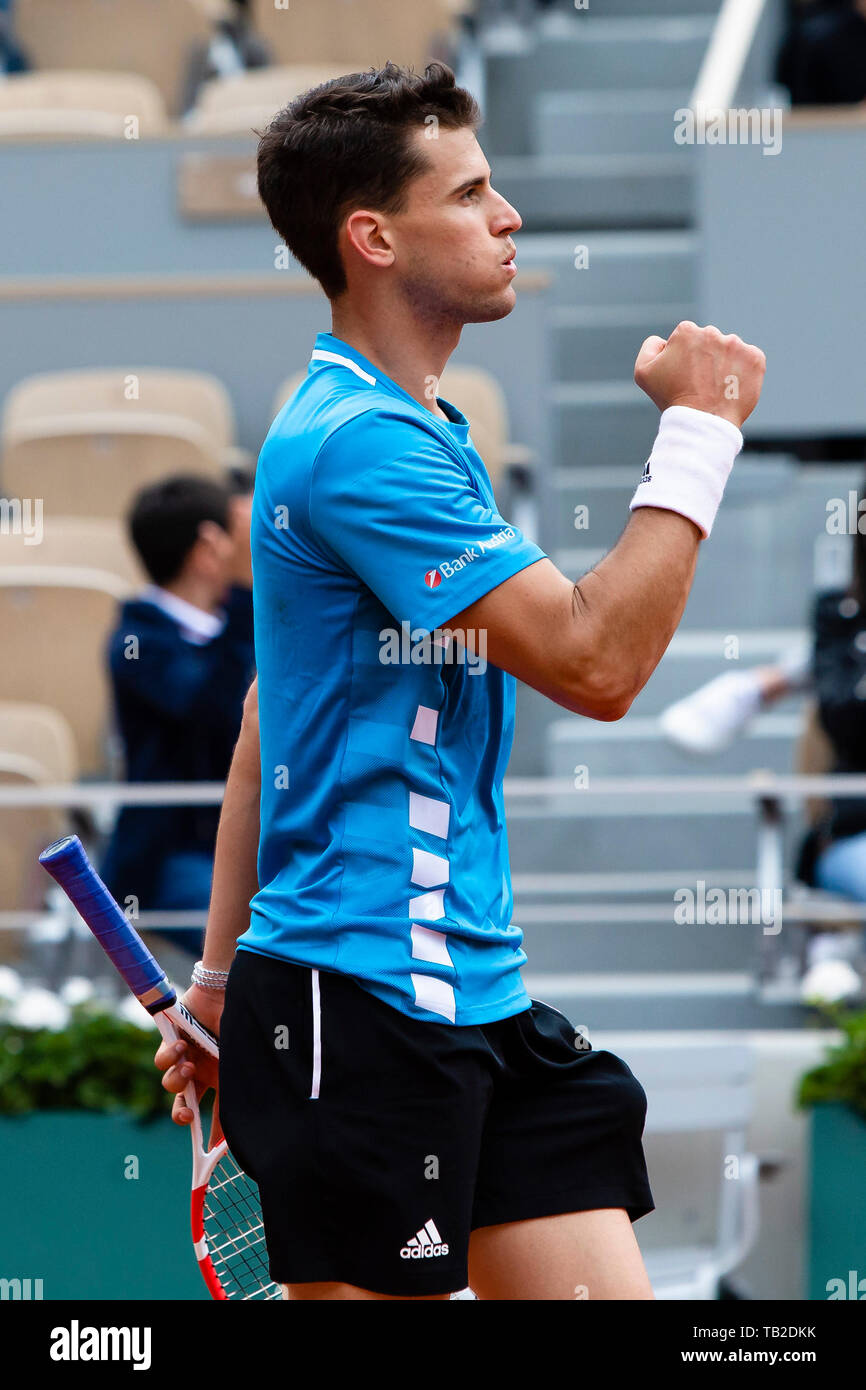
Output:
x=426 y=1244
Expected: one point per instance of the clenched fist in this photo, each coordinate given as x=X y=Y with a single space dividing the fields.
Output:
x=704 y=369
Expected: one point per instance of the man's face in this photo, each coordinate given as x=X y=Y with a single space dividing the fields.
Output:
x=452 y=241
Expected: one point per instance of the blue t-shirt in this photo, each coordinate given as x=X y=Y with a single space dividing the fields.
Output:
x=383 y=853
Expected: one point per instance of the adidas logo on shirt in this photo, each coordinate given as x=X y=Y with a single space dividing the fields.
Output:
x=426 y=1244
x=646 y=476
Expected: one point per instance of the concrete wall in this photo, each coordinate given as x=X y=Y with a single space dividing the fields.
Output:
x=782 y=263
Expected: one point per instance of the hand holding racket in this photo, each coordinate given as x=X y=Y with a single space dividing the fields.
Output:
x=183 y=1062
x=227 y=1232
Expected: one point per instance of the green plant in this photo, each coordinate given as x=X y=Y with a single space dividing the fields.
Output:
x=841 y=1078
x=97 y=1062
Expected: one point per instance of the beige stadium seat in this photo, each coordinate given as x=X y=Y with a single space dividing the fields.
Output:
x=36 y=746
x=250 y=100
x=86 y=442
x=364 y=33
x=155 y=38
x=197 y=396
x=80 y=105
x=481 y=399
x=54 y=627
x=85 y=543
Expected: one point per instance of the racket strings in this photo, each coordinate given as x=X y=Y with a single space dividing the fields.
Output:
x=235 y=1234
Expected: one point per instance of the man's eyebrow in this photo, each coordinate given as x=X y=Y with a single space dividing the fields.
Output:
x=470 y=183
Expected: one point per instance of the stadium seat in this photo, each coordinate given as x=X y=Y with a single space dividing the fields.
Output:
x=56 y=620
x=98 y=463
x=36 y=746
x=82 y=542
x=249 y=100
x=156 y=39
x=76 y=440
x=195 y=395
x=80 y=105
x=366 y=32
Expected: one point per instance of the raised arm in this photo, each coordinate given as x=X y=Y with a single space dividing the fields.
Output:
x=591 y=645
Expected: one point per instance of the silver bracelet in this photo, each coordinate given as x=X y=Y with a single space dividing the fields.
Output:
x=209 y=979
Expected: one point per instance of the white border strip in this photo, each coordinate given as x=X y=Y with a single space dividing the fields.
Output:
x=320 y=355
x=317 y=1037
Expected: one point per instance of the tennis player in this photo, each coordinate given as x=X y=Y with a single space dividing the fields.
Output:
x=415 y=1121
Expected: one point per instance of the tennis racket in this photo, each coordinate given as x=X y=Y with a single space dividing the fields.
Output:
x=227 y=1232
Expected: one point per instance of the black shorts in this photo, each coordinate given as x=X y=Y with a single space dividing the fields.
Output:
x=380 y=1142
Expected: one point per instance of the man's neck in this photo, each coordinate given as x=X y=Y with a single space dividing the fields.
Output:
x=196 y=591
x=412 y=354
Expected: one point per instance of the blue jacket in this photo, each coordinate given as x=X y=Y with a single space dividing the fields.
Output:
x=178 y=708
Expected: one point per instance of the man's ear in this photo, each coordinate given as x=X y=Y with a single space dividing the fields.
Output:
x=210 y=531
x=214 y=540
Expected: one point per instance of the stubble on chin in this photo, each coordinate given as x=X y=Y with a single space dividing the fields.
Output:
x=437 y=303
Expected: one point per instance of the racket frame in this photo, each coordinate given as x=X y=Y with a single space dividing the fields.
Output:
x=67 y=863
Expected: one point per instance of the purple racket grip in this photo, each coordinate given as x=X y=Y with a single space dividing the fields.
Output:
x=69 y=866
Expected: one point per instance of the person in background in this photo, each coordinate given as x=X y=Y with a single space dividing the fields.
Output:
x=822 y=60
x=710 y=719
x=833 y=854
x=181 y=660
x=11 y=57
x=234 y=48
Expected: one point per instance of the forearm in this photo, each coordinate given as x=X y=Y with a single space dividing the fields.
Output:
x=627 y=608
x=235 y=878
x=631 y=604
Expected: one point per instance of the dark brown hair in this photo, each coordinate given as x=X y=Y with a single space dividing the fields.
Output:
x=165 y=519
x=347 y=144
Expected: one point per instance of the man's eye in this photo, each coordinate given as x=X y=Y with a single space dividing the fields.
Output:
x=471 y=193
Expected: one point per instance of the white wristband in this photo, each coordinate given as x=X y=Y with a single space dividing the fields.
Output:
x=686 y=472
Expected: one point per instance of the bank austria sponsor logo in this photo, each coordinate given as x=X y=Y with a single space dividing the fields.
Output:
x=426 y=1244
x=433 y=578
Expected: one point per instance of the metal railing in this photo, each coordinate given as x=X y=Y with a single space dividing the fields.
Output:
x=727 y=54
x=764 y=793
